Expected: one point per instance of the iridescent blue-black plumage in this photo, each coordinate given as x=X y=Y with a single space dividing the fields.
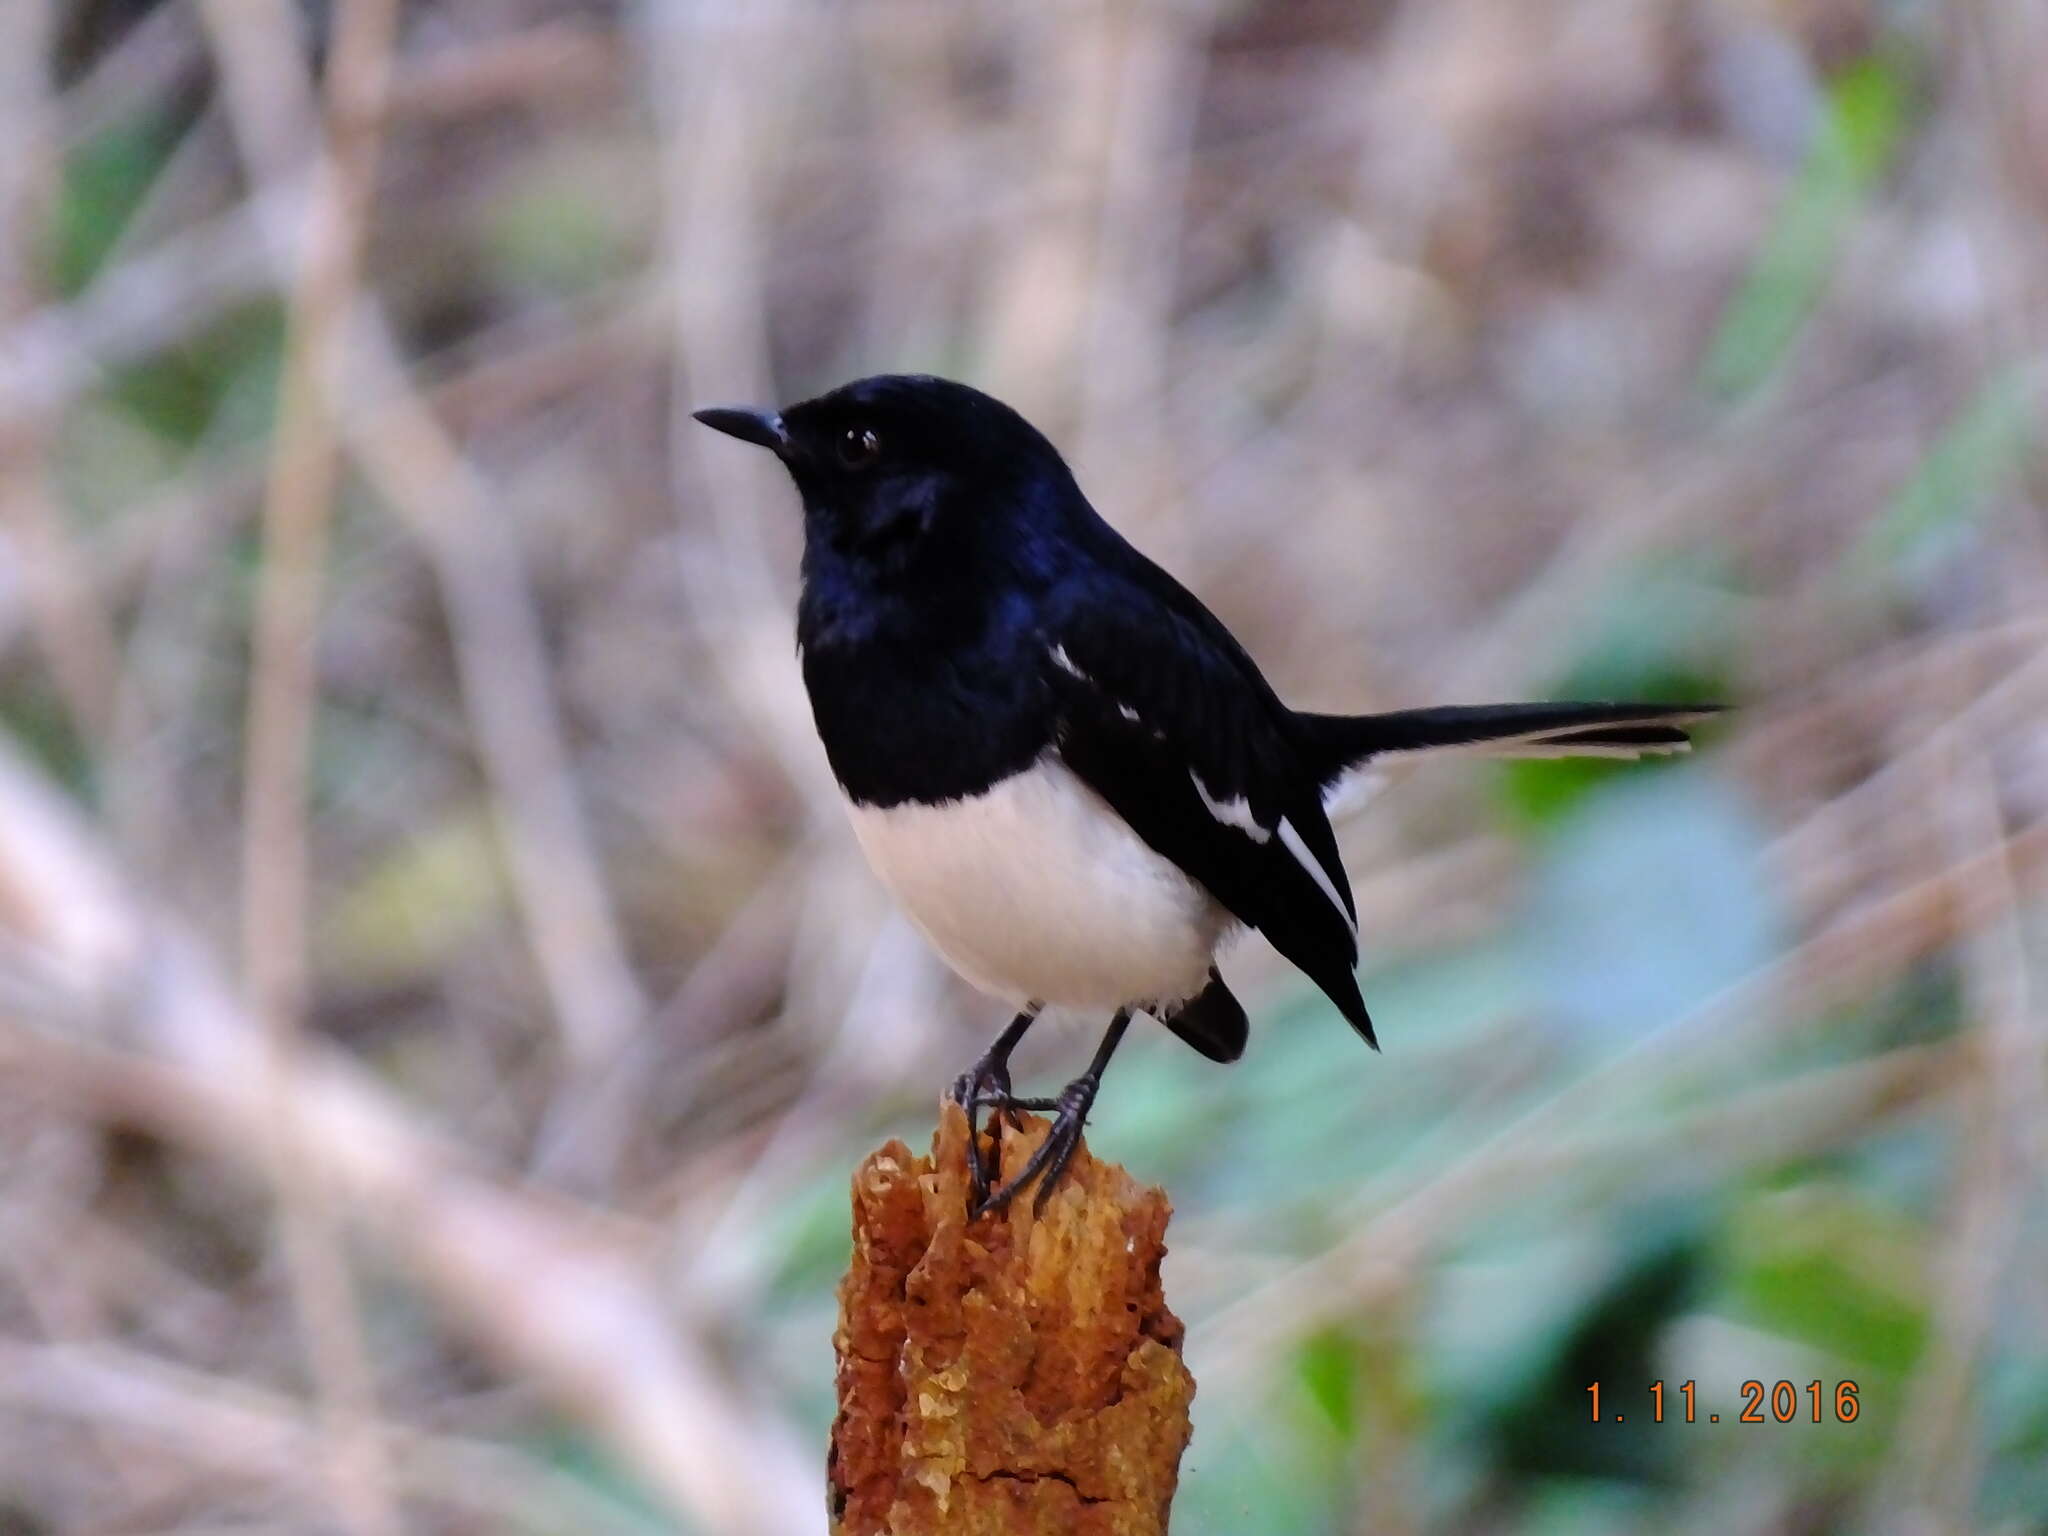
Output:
x=967 y=619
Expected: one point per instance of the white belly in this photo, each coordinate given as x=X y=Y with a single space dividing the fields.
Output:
x=1035 y=890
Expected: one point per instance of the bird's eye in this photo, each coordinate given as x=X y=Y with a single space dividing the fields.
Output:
x=858 y=447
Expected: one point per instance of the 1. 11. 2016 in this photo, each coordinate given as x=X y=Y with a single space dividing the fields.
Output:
x=1779 y=1403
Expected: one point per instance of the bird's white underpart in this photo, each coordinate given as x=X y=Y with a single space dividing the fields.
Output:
x=1036 y=889
x=1353 y=791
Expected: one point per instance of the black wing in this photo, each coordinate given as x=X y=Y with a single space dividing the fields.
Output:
x=1165 y=717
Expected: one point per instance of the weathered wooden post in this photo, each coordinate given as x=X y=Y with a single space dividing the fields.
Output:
x=1019 y=1375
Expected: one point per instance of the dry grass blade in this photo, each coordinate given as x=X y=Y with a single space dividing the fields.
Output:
x=1447 y=352
x=298 y=504
x=249 y=1433
x=554 y=1292
x=73 y=633
x=2002 y=1107
x=504 y=667
x=1832 y=964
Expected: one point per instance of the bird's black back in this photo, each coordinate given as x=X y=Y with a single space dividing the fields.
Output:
x=965 y=610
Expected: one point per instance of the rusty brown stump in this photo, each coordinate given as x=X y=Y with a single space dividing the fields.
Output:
x=1018 y=1374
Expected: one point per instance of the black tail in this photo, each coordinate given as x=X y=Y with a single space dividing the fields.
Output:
x=1212 y=1021
x=1342 y=742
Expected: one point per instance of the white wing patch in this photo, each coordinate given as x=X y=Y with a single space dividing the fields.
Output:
x=1237 y=812
x=1314 y=866
x=1234 y=813
x=1065 y=663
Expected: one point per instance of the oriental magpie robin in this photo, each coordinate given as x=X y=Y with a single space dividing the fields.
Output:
x=1069 y=773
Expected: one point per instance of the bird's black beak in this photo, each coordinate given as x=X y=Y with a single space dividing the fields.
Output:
x=763 y=428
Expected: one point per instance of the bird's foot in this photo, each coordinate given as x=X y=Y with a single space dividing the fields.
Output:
x=1049 y=1162
x=985 y=1085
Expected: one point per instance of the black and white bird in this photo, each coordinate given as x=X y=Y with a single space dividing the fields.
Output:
x=1068 y=772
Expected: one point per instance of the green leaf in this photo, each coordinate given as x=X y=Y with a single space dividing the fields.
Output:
x=426 y=895
x=1983 y=451
x=1830 y=1268
x=119 y=446
x=1311 y=1111
x=575 y=1455
x=1326 y=1365
x=37 y=718
x=2014 y=1414
x=811 y=1239
x=229 y=370
x=558 y=231
x=103 y=182
x=1660 y=634
x=1590 y=1506
x=1247 y=1470
x=1863 y=121
x=1648 y=901
x=1560 y=1313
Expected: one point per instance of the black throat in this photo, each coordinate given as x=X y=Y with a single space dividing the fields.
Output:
x=923 y=702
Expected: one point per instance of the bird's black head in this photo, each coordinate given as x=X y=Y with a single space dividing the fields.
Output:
x=906 y=477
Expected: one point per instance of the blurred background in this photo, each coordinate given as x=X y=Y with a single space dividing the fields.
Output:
x=441 y=1004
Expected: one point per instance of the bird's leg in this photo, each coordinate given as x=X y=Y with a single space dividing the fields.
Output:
x=1071 y=1114
x=987 y=1082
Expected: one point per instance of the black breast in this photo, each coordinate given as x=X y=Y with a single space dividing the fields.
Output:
x=909 y=721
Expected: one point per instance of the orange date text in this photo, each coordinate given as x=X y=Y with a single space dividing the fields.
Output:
x=1783 y=1402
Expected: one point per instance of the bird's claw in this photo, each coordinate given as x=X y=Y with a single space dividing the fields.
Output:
x=1070 y=1117
x=985 y=1085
